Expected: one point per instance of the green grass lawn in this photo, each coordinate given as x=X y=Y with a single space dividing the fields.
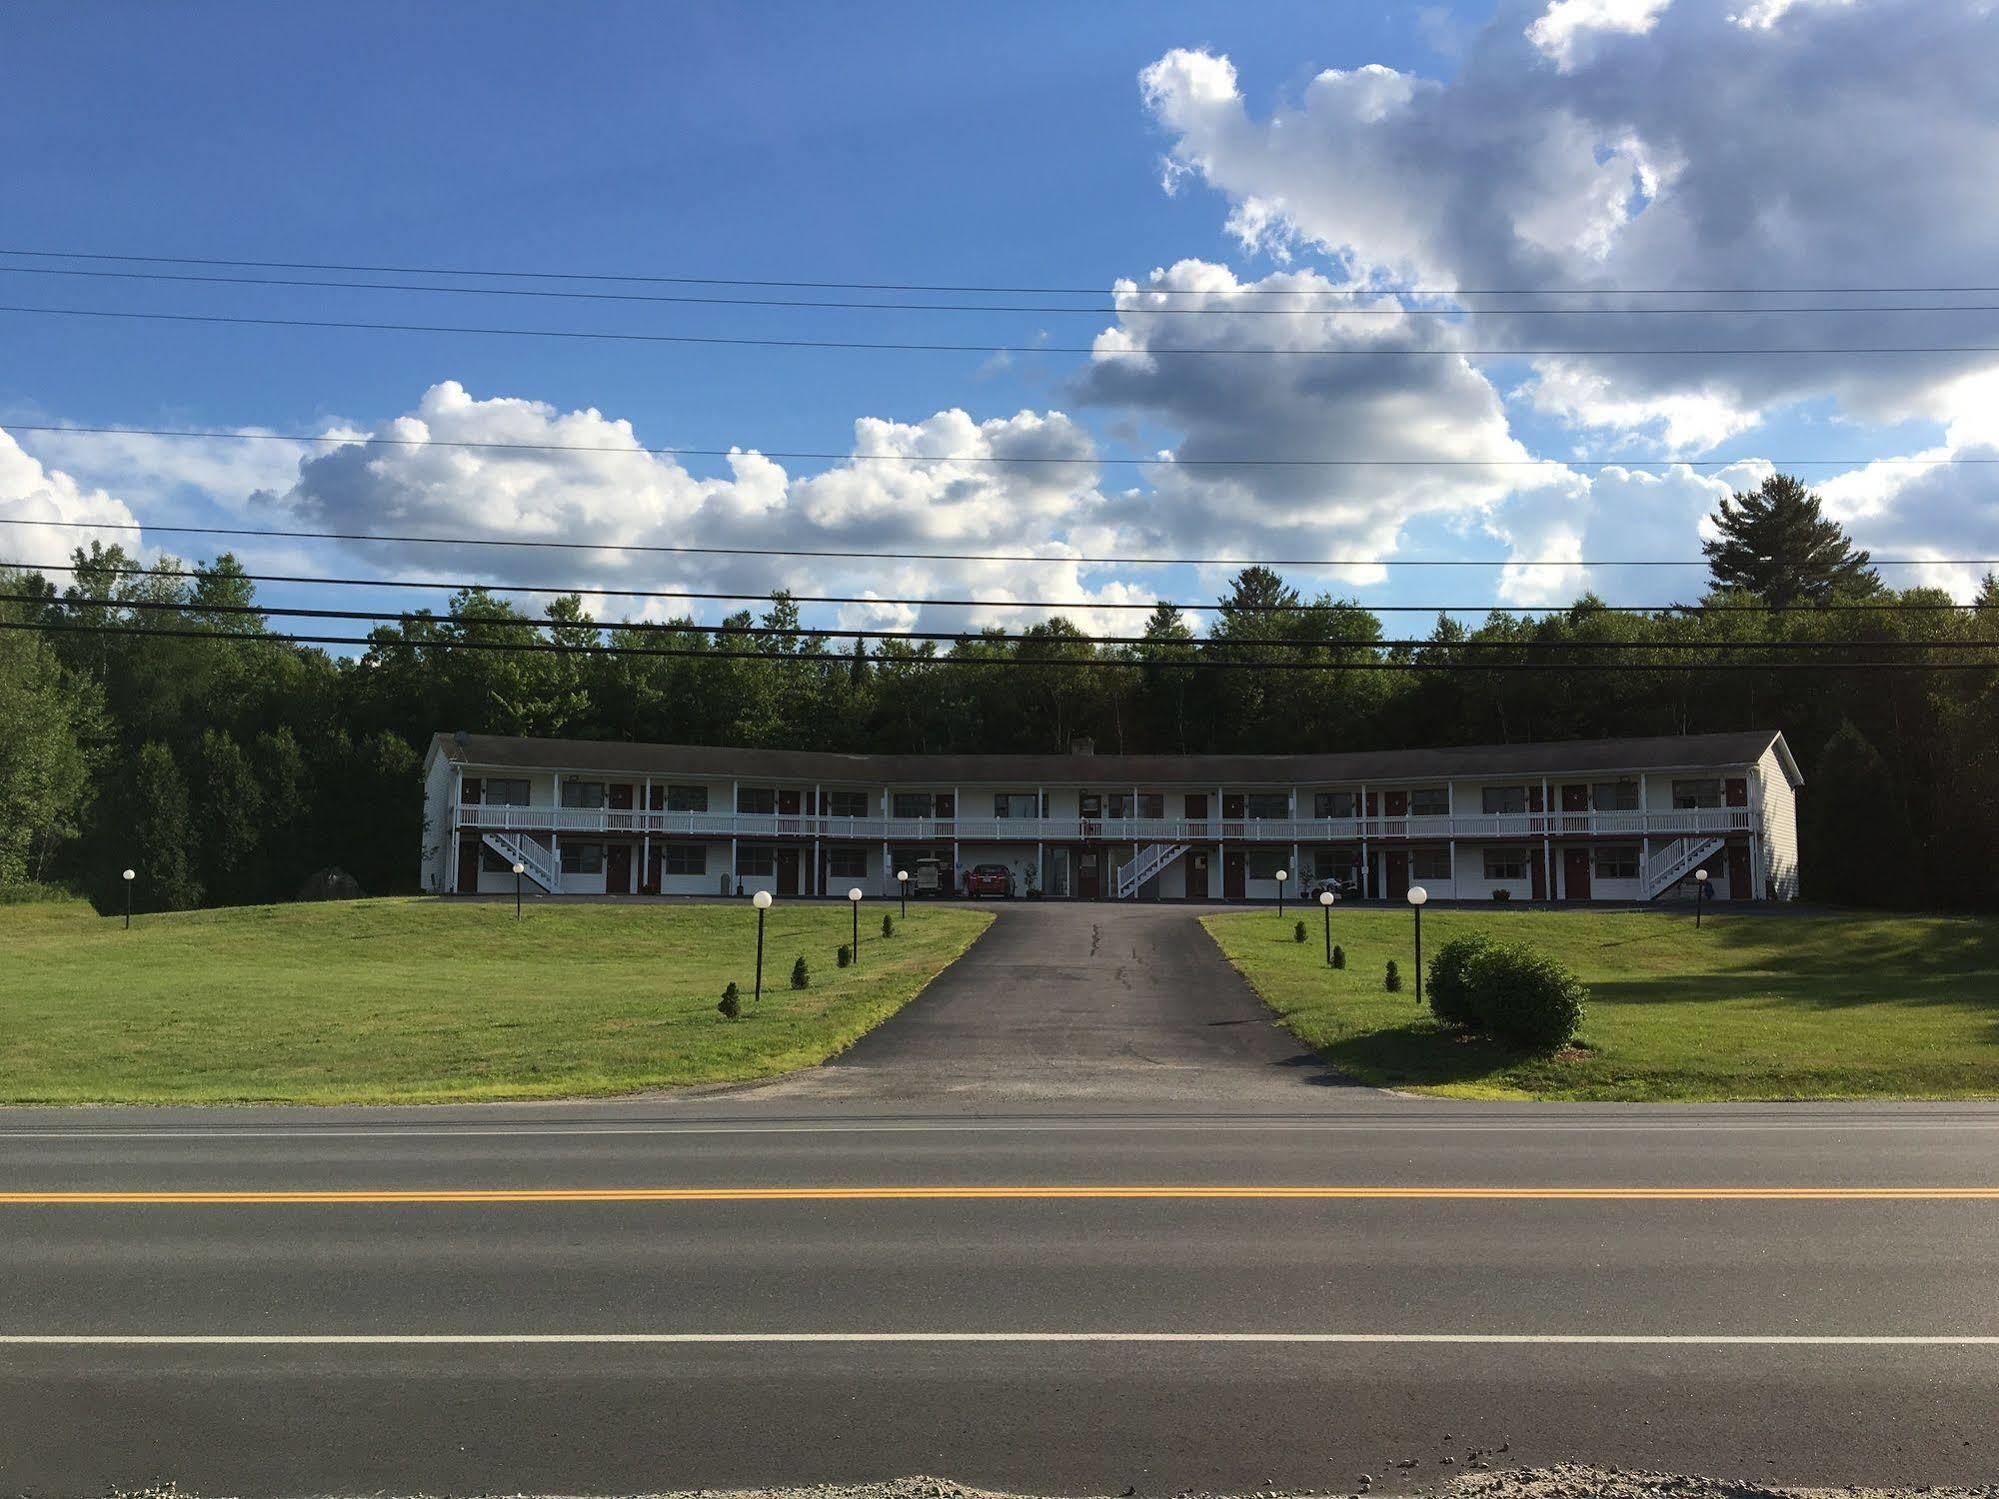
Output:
x=421 y=1001
x=1823 y=1006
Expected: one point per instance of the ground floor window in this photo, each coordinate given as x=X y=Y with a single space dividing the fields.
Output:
x=1506 y=863
x=582 y=858
x=1617 y=861
x=756 y=861
x=847 y=863
x=493 y=863
x=687 y=858
x=1429 y=864
x=1265 y=862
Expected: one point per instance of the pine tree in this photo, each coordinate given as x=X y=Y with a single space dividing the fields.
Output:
x=1776 y=541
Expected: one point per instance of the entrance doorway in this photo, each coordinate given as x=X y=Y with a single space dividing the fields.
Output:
x=468 y=866
x=618 y=869
x=1089 y=863
x=1398 y=871
x=1235 y=876
x=1575 y=874
x=1738 y=872
x=787 y=871
x=1197 y=874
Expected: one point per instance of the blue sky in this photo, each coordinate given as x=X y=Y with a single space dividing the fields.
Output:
x=1556 y=141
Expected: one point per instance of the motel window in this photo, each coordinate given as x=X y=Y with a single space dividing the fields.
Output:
x=1429 y=864
x=1498 y=800
x=1120 y=805
x=912 y=804
x=1506 y=863
x=1265 y=862
x=1015 y=804
x=582 y=858
x=1614 y=796
x=1697 y=793
x=846 y=804
x=1336 y=804
x=1151 y=804
x=583 y=793
x=504 y=794
x=847 y=863
x=756 y=801
x=1333 y=863
x=1617 y=861
x=1268 y=805
x=756 y=861
x=491 y=862
x=1430 y=801
x=687 y=798
x=687 y=858
x=1089 y=805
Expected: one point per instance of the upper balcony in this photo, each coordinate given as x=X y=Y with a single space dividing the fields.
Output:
x=1487 y=828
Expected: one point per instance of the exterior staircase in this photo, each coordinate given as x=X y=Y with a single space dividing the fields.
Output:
x=1151 y=859
x=535 y=859
x=1672 y=862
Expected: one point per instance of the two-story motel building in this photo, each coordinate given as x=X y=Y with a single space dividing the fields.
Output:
x=1604 y=819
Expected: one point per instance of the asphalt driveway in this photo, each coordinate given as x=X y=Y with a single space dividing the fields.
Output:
x=1120 y=1005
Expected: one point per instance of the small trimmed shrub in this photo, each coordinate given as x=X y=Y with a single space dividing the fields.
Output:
x=801 y=976
x=1451 y=997
x=1502 y=894
x=1525 y=997
x=846 y=959
x=1298 y=932
x=1339 y=956
x=1392 y=980
x=888 y=925
x=732 y=1001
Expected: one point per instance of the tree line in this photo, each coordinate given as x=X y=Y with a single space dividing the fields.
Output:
x=232 y=770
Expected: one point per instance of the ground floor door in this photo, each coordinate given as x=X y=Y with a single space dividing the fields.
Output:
x=618 y=869
x=1739 y=887
x=1197 y=873
x=787 y=871
x=655 y=867
x=468 y=865
x=1397 y=887
x=1539 y=867
x=1089 y=874
x=1235 y=875
x=1575 y=874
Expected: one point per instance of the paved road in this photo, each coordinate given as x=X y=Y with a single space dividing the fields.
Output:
x=869 y=1305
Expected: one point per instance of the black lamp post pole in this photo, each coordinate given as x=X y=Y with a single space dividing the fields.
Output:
x=760 y=955
x=1280 y=897
x=1419 y=955
x=1700 y=890
x=903 y=887
x=128 y=905
x=517 y=897
x=1329 y=935
x=857 y=931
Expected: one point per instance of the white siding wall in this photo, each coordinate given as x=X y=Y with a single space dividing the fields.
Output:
x=1777 y=817
x=439 y=848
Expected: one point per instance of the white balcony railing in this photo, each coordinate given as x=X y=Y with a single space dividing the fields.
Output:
x=1492 y=828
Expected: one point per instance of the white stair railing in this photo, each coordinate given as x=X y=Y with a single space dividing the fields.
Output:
x=1672 y=862
x=1151 y=861
x=534 y=858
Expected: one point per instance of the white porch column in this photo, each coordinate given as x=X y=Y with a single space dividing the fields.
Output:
x=1366 y=859
x=645 y=833
x=554 y=827
x=1221 y=871
x=1547 y=844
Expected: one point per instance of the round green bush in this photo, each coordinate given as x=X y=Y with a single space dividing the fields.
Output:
x=1524 y=997
x=1450 y=994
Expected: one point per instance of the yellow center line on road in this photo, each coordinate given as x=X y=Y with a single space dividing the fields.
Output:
x=448 y=1196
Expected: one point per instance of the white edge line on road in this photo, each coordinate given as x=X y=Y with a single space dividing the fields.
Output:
x=286 y=1340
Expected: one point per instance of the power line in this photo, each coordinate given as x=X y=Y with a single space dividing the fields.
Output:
x=887 y=345
x=776 y=551
x=1388 y=289
x=741 y=450
x=1210 y=607
x=1059 y=662
x=1207 y=643
x=1111 y=310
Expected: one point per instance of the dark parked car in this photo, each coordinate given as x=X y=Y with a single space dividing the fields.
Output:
x=989 y=879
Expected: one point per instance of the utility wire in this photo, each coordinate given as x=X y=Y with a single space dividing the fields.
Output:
x=1109 y=310
x=1388 y=289
x=879 y=345
x=1210 y=607
x=775 y=551
x=1204 y=643
x=742 y=450
x=836 y=661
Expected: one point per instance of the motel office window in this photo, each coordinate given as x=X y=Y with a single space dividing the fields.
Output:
x=583 y=793
x=1506 y=863
x=1429 y=864
x=846 y=804
x=1268 y=805
x=1336 y=804
x=1430 y=801
x=756 y=801
x=1016 y=804
x=1499 y=800
x=1617 y=861
x=687 y=798
x=1614 y=796
x=1697 y=793
x=687 y=858
x=756 y=861
x=847 y=863
x=582 y=858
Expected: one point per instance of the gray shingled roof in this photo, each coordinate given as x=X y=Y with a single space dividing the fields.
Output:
x=1566 y=757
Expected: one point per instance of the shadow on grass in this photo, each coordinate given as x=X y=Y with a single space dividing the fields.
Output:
x=1421 y=1053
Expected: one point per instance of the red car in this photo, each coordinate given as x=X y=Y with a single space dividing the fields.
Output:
x=989 y=879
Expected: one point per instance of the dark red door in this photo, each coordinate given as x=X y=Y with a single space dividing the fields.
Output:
x=787 y=867
x=468 y=866
x=1235 y=876
x=1575 y=798
x=1197 y=873
x=947 y=806
x=658 y=799
x=1575 y=871
x=1088 y=884
x=655 y=867
x=618 y=869
x=787 y=803
x=1735 y=792
x=1395 y=804
x=1197 y=806
x=1540 y=873
x=1398 y=872
x=1738 y=872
